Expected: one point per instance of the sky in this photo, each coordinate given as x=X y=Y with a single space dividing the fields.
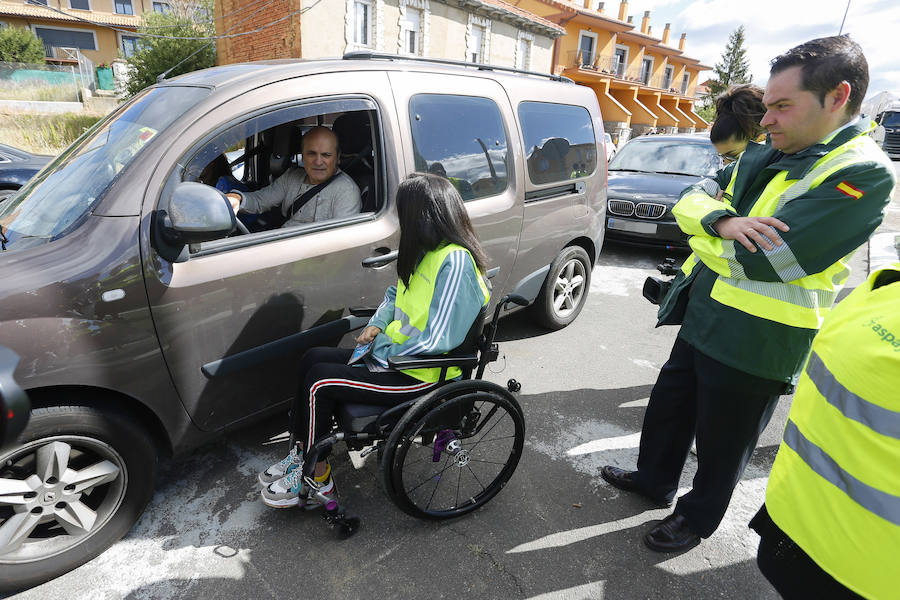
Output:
x=773 y=26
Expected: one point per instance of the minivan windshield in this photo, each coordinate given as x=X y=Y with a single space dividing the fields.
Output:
x=891 y=119
x=666 y=155
x=68 y=189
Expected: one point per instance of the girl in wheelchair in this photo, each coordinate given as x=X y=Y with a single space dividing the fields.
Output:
x=440 y=291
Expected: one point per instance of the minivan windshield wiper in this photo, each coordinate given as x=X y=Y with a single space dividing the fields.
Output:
x=631 y=170
x=675 y=173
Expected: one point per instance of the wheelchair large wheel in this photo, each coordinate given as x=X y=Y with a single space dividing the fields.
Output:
x=453 y=450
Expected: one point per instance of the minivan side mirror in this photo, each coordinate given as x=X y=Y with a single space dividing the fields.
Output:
x=14 y=406
x=197 y=213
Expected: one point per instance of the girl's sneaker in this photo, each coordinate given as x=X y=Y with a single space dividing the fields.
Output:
x=286 y=492
x=287 y=465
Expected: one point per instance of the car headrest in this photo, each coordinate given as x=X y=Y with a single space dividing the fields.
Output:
x=285 y=144
x=353 y=132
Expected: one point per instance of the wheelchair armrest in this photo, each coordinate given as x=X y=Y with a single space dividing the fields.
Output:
x=362 y=311
x=430 y=362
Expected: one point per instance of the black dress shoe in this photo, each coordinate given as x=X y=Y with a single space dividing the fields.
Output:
x=624 y=480
x=673 y=534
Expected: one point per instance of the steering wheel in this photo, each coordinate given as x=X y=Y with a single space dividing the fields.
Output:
x=239 y=225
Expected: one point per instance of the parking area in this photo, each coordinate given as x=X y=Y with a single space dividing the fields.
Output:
x=557 y=531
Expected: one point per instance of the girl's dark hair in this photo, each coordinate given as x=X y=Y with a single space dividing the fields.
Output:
x=739 y=109
x=432 y=212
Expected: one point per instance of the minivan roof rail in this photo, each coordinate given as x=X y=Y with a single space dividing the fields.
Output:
x=365 y=55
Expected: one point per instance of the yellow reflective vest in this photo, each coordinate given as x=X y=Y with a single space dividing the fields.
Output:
x=412 y=304
x=835 y=485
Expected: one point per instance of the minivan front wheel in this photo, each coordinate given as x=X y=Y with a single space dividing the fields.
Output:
x=565 y=289
x=76 y=482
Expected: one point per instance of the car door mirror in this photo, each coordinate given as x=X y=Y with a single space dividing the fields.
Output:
x=14 y=406
x=197 y=213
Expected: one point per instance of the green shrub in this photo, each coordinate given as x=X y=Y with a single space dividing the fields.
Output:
x=20 y=45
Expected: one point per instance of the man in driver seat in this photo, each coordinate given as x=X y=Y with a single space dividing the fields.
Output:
x=338 y=197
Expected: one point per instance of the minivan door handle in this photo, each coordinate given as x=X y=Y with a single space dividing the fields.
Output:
x=384 y=257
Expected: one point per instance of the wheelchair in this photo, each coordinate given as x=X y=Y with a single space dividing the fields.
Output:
x=444 y=454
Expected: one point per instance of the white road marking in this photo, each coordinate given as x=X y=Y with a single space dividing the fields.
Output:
x=617 y=281
x=635 y=403
x=616 y=443
x=588 y=591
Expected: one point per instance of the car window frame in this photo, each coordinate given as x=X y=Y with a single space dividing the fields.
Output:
x=176 y=173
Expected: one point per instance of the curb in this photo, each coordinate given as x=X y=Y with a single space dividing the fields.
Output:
x=884 y=249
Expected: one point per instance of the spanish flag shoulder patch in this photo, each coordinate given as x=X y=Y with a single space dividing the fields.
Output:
x=845 y=188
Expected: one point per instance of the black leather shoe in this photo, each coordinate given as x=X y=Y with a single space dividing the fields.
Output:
x=673 y=534
x=624 y=480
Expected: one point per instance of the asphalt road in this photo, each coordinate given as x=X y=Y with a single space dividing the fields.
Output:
x=557 y=531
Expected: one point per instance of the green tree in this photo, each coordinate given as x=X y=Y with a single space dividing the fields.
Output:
x=20 y=45
x=159 y=54
x=733 y=68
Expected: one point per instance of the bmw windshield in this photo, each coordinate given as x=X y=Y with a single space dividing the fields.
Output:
x=662 y=155
x=56 y=200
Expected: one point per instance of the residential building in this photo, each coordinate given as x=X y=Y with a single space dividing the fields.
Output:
x=643 y=84
x=62 y=24
x=481 y=31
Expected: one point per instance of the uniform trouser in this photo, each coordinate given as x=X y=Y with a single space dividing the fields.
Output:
x=789 y=569
x=326 y=380
x=725 y=409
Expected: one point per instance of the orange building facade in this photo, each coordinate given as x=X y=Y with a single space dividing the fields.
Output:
x=643 y=84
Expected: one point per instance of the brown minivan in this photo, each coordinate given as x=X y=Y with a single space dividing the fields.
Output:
x=148 y=320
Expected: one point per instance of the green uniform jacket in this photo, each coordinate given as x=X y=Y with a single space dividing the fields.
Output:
x=828 y=223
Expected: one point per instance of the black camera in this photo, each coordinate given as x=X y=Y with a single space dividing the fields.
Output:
x=14 y=405
x=655 y=289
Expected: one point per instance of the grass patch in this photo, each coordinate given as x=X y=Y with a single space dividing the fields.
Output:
x=14 y=90
x=44 y=134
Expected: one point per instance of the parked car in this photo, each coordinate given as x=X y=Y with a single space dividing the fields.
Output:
x=610 y=147
x=646 y=178
x=17 y=167
x=146 y=325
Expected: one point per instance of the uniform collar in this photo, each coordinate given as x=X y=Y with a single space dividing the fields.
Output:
x=800 y=163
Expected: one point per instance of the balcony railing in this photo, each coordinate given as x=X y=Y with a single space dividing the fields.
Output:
x=611 y=66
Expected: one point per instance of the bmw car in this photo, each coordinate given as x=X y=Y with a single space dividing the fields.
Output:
x=17 y=167
x=646 y=178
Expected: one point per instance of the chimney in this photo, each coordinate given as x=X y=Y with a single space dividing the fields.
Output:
x=587 y=4
x=623 y=9
x=665 y=38
x=649 y=30
x=630 y=20
x=600 y=7
x=681 y=41
x=645 y=22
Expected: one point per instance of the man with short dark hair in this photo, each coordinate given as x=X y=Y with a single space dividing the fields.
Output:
x=339 y=197
x=769 y=260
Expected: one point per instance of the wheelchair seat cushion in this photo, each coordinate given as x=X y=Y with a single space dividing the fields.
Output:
x=358 y=418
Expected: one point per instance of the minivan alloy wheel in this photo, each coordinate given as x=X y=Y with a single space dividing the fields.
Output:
x=569 y=288
x=56 y=492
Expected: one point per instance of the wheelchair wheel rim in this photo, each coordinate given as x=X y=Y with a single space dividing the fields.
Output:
x=467 y=474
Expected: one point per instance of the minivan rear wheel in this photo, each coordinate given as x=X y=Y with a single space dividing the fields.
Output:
x=565 y=289
x=74 y=485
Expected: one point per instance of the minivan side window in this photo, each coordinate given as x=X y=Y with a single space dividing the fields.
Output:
x=559 y=141
x=463 y=139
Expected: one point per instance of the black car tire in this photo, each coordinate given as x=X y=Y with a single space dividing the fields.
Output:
x=77 y=437
x=573 y=259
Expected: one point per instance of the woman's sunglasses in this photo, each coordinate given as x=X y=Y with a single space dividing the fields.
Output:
x=730 y=156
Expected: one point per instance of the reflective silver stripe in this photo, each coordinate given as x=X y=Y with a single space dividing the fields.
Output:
x=729 y=247
x=877 y=418
x=785 y=292
x=405 y=327
x=886 y=506
x=783 y=260
x=844 y=159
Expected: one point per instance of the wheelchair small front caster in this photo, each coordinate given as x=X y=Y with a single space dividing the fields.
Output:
x=344 y=524
x=513 y=386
